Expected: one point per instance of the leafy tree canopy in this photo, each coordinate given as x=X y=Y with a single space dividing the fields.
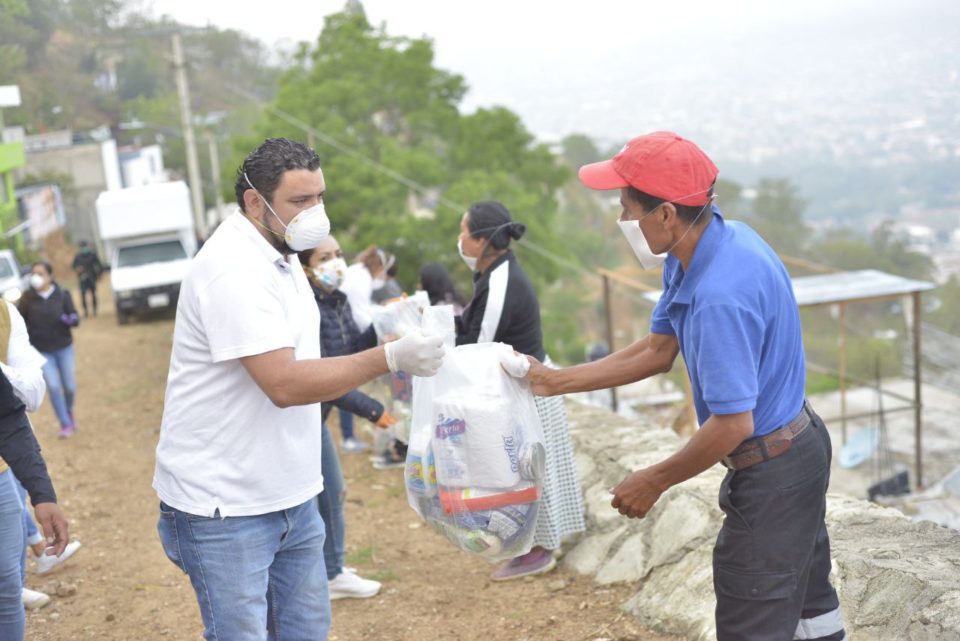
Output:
x=388 y=106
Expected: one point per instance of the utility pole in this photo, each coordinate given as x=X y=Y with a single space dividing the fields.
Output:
x=215 y=170
x=189 y=141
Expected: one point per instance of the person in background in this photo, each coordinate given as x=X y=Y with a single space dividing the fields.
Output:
x=49 y=314
x=391 y=288
x=22 y=364
x=20 y=450
x=339 y=336
x=88 y=268
x=504 y=309
x=436 y=281
x=366 y=274
x=728 y=307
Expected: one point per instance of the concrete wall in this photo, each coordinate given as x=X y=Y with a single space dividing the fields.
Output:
x=897 y=579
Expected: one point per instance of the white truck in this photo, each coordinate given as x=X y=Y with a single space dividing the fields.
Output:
x=13 y=281
x=149 y=240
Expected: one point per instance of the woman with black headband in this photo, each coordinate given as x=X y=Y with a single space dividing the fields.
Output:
x=504 y=309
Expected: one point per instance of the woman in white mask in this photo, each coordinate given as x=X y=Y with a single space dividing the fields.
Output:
x=50 y=315
x=339 y=336
x=505 y=309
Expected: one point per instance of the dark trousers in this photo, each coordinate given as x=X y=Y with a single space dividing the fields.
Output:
x=91 y=287
x=771 y=563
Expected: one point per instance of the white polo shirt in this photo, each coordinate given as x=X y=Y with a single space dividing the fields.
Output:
x=223 y=444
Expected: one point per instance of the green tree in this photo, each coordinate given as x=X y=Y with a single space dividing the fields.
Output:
x=885 y=251
x=777 y=215
x=393 y=114
x=579 y=150
x=897 y=256
x=947 y=316
x=386 y=102
x=729 y=197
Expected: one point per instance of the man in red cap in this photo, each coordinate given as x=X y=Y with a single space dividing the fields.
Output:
x=728 y=306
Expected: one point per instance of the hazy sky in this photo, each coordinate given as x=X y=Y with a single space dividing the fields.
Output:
x=535 y=56
x=515 y=26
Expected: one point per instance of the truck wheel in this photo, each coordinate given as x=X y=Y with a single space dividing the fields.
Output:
x=122 y=317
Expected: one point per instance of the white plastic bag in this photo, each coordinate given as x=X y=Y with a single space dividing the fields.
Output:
x=435 y=321
x=475 y=463
x=398 y=318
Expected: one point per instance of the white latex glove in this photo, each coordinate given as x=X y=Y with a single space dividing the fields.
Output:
x=415 y=354
x=516 y=365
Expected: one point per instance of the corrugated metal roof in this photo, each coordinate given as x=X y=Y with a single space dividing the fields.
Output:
x=852 y=286
x=845 y=286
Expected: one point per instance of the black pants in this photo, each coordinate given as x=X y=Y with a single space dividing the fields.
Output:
x=771 y=563
x=88 y=286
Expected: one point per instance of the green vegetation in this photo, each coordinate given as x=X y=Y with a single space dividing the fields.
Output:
x=361 y=556
x=403 y=160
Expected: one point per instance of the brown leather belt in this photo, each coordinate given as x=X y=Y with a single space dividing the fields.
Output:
x=763 y=448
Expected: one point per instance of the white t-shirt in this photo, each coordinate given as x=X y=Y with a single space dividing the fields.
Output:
x=24 y=366
x=223 y=443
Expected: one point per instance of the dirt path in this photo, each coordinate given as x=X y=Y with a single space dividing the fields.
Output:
x=120 y=585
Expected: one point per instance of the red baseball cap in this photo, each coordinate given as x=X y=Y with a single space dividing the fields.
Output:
x=661 y=164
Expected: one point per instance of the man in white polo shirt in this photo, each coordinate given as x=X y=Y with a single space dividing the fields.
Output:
x=238 y=462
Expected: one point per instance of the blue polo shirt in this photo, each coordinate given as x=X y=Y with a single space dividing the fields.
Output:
x=737 y=322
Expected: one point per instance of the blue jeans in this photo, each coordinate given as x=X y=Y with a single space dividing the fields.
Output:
x=59 y=372
x=29 y=529
x=346 y=424
x=330 y=503
x=256 y=577
x=11 y=550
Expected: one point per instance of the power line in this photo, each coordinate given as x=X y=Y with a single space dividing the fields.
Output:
x=397 y=176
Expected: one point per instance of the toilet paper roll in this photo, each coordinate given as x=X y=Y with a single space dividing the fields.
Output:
x=476 y=443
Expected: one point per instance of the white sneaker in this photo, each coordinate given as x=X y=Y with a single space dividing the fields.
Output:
x=33 y=600
x=48 y=563
x=348 y=585
x=354 y=445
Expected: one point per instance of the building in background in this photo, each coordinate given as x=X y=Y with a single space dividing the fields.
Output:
x=84 y=167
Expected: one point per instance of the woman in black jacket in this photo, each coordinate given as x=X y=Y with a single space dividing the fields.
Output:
x=49 y=314
x=20 y=450
x=504 y=309
x=339 y=336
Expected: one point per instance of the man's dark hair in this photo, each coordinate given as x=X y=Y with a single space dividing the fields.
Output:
x=266 y=164
x=490 y=219
x=687 y=213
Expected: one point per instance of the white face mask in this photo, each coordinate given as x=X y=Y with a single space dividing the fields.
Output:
x=329 y=274
x=471 y=261
x=640 y=246
x=307 y=229
x=37 y=281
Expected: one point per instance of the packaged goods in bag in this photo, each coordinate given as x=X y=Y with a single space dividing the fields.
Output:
x=480 y=442
x=454 y=501
x=475 y=464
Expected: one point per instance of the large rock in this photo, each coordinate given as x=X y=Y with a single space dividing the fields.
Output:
x=897 y=579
